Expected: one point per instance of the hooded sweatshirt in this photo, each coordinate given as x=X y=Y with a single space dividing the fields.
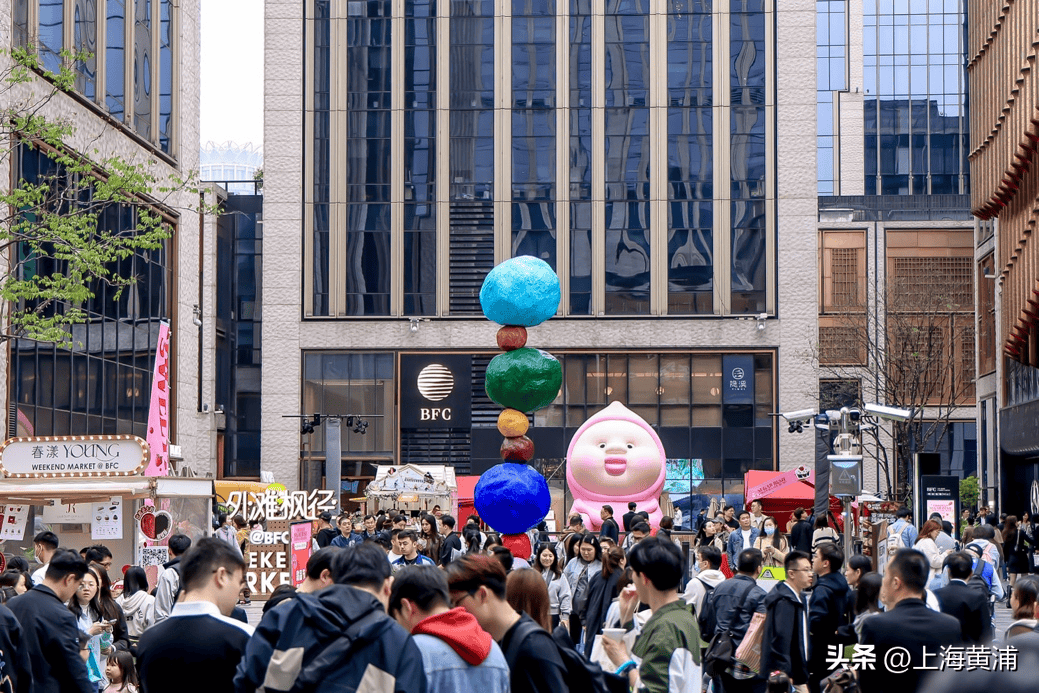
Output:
x=138 y=608
x=696 y=590
x=459 y=629
x=458 y=655
x=339 y=639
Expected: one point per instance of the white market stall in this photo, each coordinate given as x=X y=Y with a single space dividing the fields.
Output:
x=91 y=490
x=413 y=488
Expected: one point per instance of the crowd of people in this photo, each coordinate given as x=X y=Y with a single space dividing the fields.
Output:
x=392 y=603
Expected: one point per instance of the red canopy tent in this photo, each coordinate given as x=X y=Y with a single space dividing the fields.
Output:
x=782 y=502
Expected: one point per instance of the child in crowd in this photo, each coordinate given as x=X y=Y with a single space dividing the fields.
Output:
x=120 y=672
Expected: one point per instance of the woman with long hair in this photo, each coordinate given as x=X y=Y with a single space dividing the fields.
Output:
x=602 y=590
x=867 y=600
x=586 y=563
x=822 y=531
x=1018 y=547
x=137 y=605
x=110 y=610
x=772 y=544
x=1024 y=600
x=429 y=534
x=925 y=544
x=525 y=591
x=95 y=624
x=471 y=540
x=560 y=599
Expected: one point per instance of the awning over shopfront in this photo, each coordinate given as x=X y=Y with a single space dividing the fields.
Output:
x=35 y=492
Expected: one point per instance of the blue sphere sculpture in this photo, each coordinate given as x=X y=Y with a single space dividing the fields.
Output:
x=512 y=498
x=523 y=291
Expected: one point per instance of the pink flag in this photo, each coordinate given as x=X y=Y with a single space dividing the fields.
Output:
x=159 y=411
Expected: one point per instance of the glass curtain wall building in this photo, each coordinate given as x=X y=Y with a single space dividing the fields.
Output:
x=442 y=137
x=914 y=88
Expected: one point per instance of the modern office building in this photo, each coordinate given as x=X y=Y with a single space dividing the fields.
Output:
x=657 y=153
x=1003 y=47
x=896 y=237
x=135 y=96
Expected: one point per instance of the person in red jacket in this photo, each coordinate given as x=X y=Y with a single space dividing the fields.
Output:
x=457 y=654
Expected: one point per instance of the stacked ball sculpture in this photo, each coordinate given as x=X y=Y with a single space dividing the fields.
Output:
x=519 y=293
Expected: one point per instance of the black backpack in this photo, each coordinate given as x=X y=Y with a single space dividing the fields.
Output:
x=977 y=578
x=581 y=675
x=707 y=620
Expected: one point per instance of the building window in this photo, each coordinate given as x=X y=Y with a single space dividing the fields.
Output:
x=986 y=281
x=831 y=41
x=355 y=383
x=102 y=384
x=915 y=105
x=118 y=38
x=539 y=149
x=930 y=316
x=838 y=393
x=690 y=151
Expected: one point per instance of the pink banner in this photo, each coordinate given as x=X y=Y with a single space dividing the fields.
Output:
x=159 y=412
x=779 y=481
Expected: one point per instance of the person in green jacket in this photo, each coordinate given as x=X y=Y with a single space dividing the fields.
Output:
x=665 y=657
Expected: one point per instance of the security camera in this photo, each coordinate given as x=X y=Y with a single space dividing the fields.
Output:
x=803 y=415
x=883 y=411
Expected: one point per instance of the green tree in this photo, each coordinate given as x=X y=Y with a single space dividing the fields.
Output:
x=54 y=231
x=969 y=492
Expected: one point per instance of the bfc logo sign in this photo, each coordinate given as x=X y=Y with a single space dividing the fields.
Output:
x=436 y=390
x=435 y=382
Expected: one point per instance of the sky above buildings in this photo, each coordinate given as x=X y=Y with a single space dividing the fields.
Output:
x=232 y=71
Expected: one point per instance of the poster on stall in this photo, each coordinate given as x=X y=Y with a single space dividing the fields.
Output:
x=66 y=514
x=154 y=555
x=300 y=534
x=15 y=518
x=106 y=519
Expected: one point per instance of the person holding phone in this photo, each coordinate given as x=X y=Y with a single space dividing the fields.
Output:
x=95 y=631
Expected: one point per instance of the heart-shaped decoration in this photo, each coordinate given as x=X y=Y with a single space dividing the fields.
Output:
x=163 y=525
x=147 y=522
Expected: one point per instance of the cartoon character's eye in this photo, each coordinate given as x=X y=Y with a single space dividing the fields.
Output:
x=630 y=446
x=602 y=446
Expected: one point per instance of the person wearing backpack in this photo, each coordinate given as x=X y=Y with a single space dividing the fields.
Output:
x=169 y=586
x=902 y=533
x=701 y=586
x=666 y=654
x=477 y=584
x=967 y=602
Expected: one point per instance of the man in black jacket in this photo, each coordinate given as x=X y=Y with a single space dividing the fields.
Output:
x=784 y=642
x=827 y=610
x=735 y=602
x=14 y=656
x=629 y=516
x=609 y=529
x=451 y=542
x=908 y=624
x=49 y=630
x=969 y=606
x=200 y=640
x=801 y=533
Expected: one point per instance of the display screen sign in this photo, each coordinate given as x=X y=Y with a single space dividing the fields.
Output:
x=47 y=457
x=436 y=391
x=940 y=494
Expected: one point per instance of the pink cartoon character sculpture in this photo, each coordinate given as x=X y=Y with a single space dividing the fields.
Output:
x=614 y=458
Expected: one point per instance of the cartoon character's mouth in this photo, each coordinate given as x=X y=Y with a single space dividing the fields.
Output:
x=615 y=466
